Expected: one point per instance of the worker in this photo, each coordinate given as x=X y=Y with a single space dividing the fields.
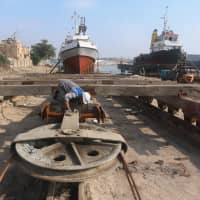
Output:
x=68 y=90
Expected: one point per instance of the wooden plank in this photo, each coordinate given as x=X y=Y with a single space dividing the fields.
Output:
x=61 y=76
x=51 y=191
x=25 y=90
x=106 y=90
x=42 y=82
x=104 y=81
x=83 y=194
x=148 y=90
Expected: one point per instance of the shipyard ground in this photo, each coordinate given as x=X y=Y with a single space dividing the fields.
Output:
x=164 y=165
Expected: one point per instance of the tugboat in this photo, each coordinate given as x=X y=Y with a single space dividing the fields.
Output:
x=165 y=53
x=78 y=54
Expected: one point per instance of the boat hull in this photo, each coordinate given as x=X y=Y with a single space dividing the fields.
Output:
x=151 y=64
x=79 y=60
x=168 y=57
x=79 y=65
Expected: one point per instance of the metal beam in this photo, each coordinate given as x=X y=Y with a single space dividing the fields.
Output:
x=190 y=107
x=105 y=90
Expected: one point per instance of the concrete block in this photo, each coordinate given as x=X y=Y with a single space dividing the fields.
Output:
x=70 y=122
x=1 y=98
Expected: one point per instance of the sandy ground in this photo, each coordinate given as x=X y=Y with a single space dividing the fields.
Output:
x=17 y=116
x=21 y=72
x=164 y=166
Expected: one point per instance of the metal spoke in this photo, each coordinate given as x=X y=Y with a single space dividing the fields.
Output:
x=73 y=145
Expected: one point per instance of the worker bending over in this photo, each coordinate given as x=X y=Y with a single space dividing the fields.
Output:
x=68 y=90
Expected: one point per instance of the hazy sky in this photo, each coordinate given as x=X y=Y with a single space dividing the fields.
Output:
x=120 y=28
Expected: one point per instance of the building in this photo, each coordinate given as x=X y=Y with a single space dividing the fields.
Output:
x=16 y=52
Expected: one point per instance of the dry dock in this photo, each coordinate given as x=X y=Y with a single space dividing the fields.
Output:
x=165 y=165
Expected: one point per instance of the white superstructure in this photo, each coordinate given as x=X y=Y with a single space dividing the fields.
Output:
x=79 y=40
x=168 y=40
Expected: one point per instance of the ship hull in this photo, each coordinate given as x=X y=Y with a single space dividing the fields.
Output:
x=79 y=60
x=168 y=57
x=151 y=64
x=79 y=65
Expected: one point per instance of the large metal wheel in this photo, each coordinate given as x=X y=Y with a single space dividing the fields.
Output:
x=46 y=154
x=63 y=155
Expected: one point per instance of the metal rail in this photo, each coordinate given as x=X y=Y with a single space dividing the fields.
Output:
x=130 y=178
x=5 y=169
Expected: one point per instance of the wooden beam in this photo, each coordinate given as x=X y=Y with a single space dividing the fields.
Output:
x=105 y=90
x=61 y=76
x=104 y=81
x=148 y=90
x=25 y=90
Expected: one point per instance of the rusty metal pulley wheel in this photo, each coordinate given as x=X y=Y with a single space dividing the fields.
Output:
x=46 y=153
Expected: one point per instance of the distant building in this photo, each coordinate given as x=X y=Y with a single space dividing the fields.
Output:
x=16 y=52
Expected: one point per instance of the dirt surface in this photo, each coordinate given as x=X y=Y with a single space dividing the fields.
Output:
x=164 y=166
x=18 y=115
x=22 y=72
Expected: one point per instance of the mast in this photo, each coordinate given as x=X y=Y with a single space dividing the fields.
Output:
x=75 y=17
x=165 y=19
x=82 y=26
